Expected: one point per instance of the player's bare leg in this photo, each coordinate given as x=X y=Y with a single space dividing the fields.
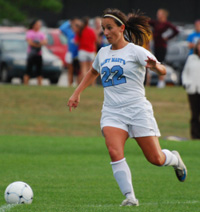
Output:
x=70 y=74
x=151 y=148
x=39 y=79
x=162 y=157
x=26 y=79
x=115 y=141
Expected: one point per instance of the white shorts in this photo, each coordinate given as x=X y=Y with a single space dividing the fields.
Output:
x=85 y=56
x=69 y=58
x=137 y=120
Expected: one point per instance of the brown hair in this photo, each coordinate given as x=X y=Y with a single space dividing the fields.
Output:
x=85 y=22
x=137 y=28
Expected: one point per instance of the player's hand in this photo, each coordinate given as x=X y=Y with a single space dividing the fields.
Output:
x=73 y=102
x=151 y=63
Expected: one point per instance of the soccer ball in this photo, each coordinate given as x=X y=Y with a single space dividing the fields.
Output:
x=18 y=193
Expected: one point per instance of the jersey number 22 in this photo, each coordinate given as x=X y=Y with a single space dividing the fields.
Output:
x=113 y=76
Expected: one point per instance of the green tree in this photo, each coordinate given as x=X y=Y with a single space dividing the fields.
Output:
x=15 y=10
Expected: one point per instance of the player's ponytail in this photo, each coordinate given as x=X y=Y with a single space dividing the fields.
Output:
x=137 y=28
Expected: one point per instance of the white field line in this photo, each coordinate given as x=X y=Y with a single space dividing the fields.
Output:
x=7 y=207
x=172 y=202
x=147 y=203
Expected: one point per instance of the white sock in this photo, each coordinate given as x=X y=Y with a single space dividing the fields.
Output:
x=171 y=159
x=161 y=84
x=123 y=177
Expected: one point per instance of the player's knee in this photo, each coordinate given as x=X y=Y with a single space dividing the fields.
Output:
x=157 y=160
x=115 y=154
x=112 y=152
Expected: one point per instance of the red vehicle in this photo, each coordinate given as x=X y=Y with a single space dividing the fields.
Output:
x=57 y=43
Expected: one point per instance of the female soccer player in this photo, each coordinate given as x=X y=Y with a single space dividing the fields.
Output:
x=126 y=111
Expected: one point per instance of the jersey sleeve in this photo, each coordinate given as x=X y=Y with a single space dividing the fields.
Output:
x=142 y=54
x=96 y=64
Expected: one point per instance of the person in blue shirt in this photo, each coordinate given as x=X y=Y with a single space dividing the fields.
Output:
x=70 y=29
x=194 y=37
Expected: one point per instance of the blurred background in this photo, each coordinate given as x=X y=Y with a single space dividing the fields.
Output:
x=53 y=11
x=15 y=17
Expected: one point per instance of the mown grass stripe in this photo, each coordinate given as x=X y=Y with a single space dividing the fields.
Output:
x=7 y=207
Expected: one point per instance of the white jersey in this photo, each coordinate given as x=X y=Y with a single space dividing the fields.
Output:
x=122 y=73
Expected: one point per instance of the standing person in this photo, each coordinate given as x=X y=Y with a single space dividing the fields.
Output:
x=86 y=41
x=69 y=29
x=194 y=37
x=191 y=82
x=126 y=111
x=99 y=33
x=35 y=39
x=160 y=28
x=101 y=39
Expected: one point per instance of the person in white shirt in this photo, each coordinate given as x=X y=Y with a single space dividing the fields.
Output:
x=191 y=82
x=126 y=111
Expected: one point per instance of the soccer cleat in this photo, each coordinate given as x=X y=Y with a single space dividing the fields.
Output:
x=181 y=170
x=130 y=202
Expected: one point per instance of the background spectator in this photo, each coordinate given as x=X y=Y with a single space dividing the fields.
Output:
x=99 y=33
x=101 y=39
x=69 y=29
x=161 y=35
x=194 y=37
x=191 y=81
x=36 y=39
x=86 y=41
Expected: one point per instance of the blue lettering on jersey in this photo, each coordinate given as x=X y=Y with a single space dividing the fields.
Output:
x=114 y=60
x=106 y=61
x=119 y=60
x=113 y=76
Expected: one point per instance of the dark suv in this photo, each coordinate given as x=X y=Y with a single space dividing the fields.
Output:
x=13 y=55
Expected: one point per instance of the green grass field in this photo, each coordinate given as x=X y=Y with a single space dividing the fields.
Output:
x=63 y=157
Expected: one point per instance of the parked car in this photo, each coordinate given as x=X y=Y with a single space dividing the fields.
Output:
x=177 y=53
x=177 y=50
x=57 y=43
x=12 y=29
x=13 y=56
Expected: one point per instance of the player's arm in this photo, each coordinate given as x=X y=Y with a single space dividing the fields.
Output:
x=191 y=45
x=37 y=45
x=74 y=100
x=174 y=31
x=156 y=67
x=43 y=42
x=33 y=44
